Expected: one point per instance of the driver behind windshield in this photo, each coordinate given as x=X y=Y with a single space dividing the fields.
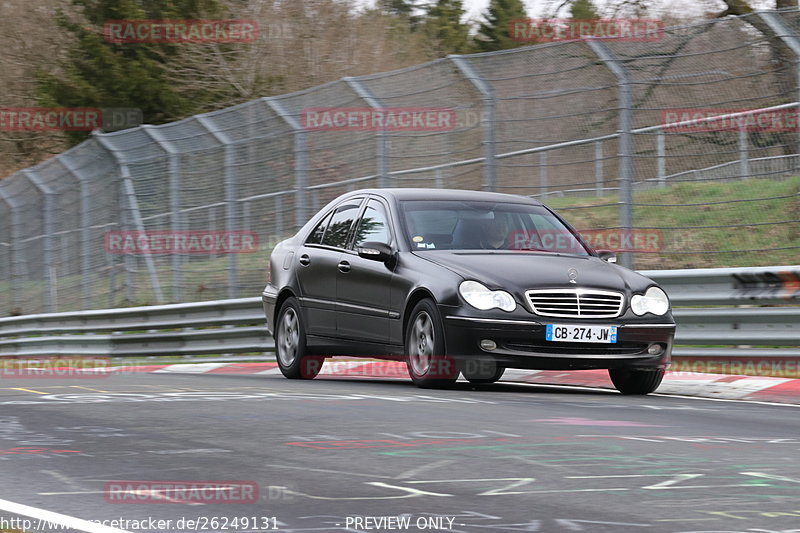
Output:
x=495 y=234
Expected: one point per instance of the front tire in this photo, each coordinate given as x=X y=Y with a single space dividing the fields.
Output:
x=630 y=381
x=290 y=344
x=480 y=372
x=428 y=365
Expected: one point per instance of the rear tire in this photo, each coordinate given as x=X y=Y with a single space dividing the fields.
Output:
x=290 y=344
x=428 y=365
x=480 y=372
x=629 y=381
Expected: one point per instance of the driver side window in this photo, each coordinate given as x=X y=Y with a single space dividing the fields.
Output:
x=374 y=225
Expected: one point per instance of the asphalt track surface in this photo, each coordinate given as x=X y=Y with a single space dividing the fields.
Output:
x=342 y=454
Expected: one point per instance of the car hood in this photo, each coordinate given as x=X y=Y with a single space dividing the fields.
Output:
x=519 y=271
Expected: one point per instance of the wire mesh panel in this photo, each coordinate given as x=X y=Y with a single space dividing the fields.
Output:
x=99 y=213
x=65 y=240
x=28 y=270
x=709 y=69
x=702 y=119
x=717 y=68
x=262 y=162
x=446 y=122
x=334 y=150
x=547 y=95
x=142 y=172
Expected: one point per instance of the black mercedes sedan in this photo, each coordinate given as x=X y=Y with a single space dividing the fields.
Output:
x=465 y=282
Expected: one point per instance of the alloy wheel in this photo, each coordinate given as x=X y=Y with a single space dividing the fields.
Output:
x=421 y=344
x=288 y=338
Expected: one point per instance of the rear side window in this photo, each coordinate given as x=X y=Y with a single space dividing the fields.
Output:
x=315 y=237
x=342 y=221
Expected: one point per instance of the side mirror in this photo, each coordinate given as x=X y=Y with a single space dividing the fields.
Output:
x=607 y=255
x=377 y=251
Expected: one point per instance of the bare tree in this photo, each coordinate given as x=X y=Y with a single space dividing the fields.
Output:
x=30 y=41
x=300 y=44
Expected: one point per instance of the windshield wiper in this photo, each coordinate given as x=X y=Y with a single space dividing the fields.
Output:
x=529 y=249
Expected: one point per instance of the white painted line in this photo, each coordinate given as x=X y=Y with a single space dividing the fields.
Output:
x=677 y=384
x=707 y=386
x=191 y=368
x=56 y=518
x=275 y=370
x=658 y=392
x=732 y=390
x=536 y=384
x=758 y=402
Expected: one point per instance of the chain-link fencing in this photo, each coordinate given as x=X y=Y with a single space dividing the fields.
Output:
x=658 y=149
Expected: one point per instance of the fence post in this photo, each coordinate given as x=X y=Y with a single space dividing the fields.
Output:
x=230 y=196
x=129 y=261
x=661 y=159
x=48 y=238
x=383 y=145
x=625 y=138
x=598 y=168
x=85 y=222
x=744 y=155
x=487 y=121
x=14 y=249
x=542 y=174
x=277 y=202
x=128 y=193
x=212 y=226
x=300 y=161
x=175 y=224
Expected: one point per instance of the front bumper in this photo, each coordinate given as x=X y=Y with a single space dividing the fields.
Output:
x=521 y=343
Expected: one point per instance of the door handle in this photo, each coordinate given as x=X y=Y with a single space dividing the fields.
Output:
x=344 y=266
x=304 y=260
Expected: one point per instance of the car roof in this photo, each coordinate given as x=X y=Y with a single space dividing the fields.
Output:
x=447 y=194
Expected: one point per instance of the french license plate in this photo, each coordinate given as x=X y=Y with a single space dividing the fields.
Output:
x=570 y=333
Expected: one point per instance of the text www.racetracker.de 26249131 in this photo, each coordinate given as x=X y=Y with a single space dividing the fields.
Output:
x=201 y=523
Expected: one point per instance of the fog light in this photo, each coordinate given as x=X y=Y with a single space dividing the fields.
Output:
x=655 y=349
x=488 y=345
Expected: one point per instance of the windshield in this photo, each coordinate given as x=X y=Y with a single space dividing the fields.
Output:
x=460 y=225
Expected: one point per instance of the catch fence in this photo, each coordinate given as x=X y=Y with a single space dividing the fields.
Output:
x=605 y=131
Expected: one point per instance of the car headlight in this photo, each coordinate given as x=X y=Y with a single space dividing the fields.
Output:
x=654 y=300
x=481 y=297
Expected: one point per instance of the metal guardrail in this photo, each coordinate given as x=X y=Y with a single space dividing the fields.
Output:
x=768 y=285
x=223 y=326
x=237 y=326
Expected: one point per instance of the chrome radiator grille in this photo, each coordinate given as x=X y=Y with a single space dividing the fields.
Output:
x=575 y=303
